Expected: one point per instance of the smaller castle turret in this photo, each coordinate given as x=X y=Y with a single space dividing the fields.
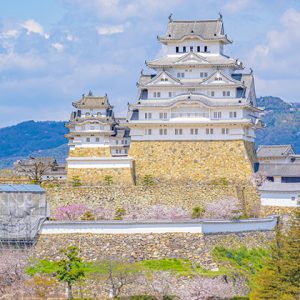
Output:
x=97 y=140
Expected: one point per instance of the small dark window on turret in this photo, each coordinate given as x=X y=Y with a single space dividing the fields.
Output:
x=192 y=31
x=198 y=48
x=177 y=49
x=205 y=48
x=184 y=49
x=191 y=48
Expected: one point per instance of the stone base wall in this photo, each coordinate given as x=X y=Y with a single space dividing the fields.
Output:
x=90 y=152
x=97 y=176
x=193 y=160
x=180 y=194
x=276 y=210
x=136 y=247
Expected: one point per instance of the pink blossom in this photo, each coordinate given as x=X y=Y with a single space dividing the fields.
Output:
x=70 y=212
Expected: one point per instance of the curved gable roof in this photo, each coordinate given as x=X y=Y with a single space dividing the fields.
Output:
x=204 y=29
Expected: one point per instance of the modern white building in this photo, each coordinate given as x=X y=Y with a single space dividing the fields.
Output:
x=197 y=92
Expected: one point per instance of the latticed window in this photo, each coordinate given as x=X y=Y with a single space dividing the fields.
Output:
x=178 y=131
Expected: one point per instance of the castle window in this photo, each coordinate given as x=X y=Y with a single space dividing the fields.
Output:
x=163 y=131
x=205 y=48
x=178 y=131
x=117 y=142
x=191 y=48
x=180 y=75
x=226 y=93
x=209 y=131
x=88 y=140
x=225 y=130
x=232 y=114
x=97 y=140
x=154 y=95
x=148 y=131
x=217 y=115
x=212 y=93
x=198 y=48
x=203 y=74
x=87 y=114
x=170 y=94
x=163 y=115
x=158 y=94
x=122 y=142
x=148 y=115
x=126 y=151
x=184 y=49
x=125 y=142
x=177 y=49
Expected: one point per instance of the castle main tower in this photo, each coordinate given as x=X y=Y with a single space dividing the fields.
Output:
x=195 y=117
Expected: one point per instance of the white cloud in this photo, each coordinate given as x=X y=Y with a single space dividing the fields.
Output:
x=110 y=29
x=58 y=46
x=11 y=33
x=120 y=9
x=34 y=27
x=28 y=61
x=279 y=56
x=235 y=6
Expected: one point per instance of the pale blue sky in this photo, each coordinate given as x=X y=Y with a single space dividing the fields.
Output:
x=52 y=51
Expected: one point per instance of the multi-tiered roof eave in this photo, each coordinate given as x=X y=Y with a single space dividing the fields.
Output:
x=92 y=102
x=195 y=60
x=196 y=78
x=205 y=30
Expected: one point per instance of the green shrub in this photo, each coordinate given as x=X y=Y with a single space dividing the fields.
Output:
x=88 y=216
x=76 y=181
x=220 y=181
x=148 y=180
x=198 y=212
x=108 y=179
x=247 y=261
x=119 y=213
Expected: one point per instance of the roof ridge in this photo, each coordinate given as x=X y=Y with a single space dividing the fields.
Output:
x=194 y=21
x=285 y=145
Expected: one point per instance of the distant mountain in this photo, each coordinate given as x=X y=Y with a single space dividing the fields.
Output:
x=47 y=138
x=32 y=138
x=282 y=121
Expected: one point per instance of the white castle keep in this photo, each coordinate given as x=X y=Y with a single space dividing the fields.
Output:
x=197 y=92
x=194 y=118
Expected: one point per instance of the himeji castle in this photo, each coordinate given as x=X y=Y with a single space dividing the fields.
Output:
x=195 y=115
x=194 y=118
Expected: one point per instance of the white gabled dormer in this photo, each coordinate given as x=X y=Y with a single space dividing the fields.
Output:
x=163 y=78
x=219 y=78
x=191 y=58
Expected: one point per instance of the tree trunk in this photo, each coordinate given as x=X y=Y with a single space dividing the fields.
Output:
x=70 y=296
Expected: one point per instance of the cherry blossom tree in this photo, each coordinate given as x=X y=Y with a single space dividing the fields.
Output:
x=70 y=212
x=226 y=208
x=201 y=288
x=12 y=270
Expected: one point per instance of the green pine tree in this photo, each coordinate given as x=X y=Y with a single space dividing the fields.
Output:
x=280 y=279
